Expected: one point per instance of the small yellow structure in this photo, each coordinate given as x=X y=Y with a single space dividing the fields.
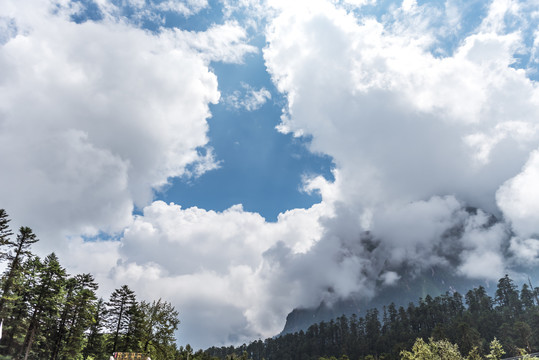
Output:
x=130 y=356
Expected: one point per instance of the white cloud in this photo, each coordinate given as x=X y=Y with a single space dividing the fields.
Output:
x=224 y=42
x=186 y=8
x=486 y=265
x=97 y=115
x=140 y=11
x=390 y=278
x=416 y=137
x=360 y=3
x=482 y=256
x=518 y=198
x=252 y=13
x=248 y=99
x=206 y=261
x=413 y=231
x=525 y=249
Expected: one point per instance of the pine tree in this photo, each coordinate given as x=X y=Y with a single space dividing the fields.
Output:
x=25 y=238
x=118 y=306
x=18 y=307
x=80 y=314
x=5 y=232
x=45 y=301
x=75 y=317
x=526 y=298
x=134 y=333
x=95 y=345
x=58 y=333
x=507 y=297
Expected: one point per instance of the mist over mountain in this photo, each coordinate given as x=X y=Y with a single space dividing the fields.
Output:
x=409 y=289
x=411 y=280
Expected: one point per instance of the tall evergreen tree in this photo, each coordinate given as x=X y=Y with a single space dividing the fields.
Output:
x=133 y=335
x=526 y=298
x=80 y=315
x=18 y=307
x=118 y=306
x=507 y=298
x=75 y=317
x=95 y=345
x=18 y=250
x=45 y=301
x=5 y=232
x=58 y=333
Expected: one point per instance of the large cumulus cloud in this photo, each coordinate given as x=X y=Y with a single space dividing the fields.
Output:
x=217 y=265
x=95 y=116
x=430 y=143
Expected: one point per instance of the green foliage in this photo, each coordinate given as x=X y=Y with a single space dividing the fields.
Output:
x=96 y=340
x=496 y=350
x=15 y=254
x=5 y=232
x=50 y=315
x=160 y=323
x=470 y=322
x=119 y=315
x=433 y=350
x=474 y=354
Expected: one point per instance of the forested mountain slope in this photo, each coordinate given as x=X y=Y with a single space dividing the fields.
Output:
x=470 y=321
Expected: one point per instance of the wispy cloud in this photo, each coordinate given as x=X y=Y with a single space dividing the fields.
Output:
x=248 y=98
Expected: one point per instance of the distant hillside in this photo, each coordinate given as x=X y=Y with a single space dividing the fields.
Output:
x=471 y=321
x=409 y=288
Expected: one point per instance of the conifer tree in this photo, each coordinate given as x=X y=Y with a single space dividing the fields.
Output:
x=507 y=296
x=526 y=298
x=20 y=248
x=134 y=331
x=75 y=316
x=44 y=301
x=95 y=345
x=18 y=306
x=5 y=232
x=118 y=306
x=80 y=314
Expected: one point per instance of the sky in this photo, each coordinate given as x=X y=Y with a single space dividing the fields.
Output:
x=231 y=156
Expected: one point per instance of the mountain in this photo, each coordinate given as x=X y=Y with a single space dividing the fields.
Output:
x=436 y=281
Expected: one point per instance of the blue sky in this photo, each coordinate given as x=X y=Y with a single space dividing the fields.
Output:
x=229 y=156
x=259 y=167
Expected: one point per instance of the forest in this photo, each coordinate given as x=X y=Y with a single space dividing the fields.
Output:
x=49 y=314
x=474 y=323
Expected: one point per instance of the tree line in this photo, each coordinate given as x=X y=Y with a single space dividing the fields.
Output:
x=49 y=314
x=471 y=322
